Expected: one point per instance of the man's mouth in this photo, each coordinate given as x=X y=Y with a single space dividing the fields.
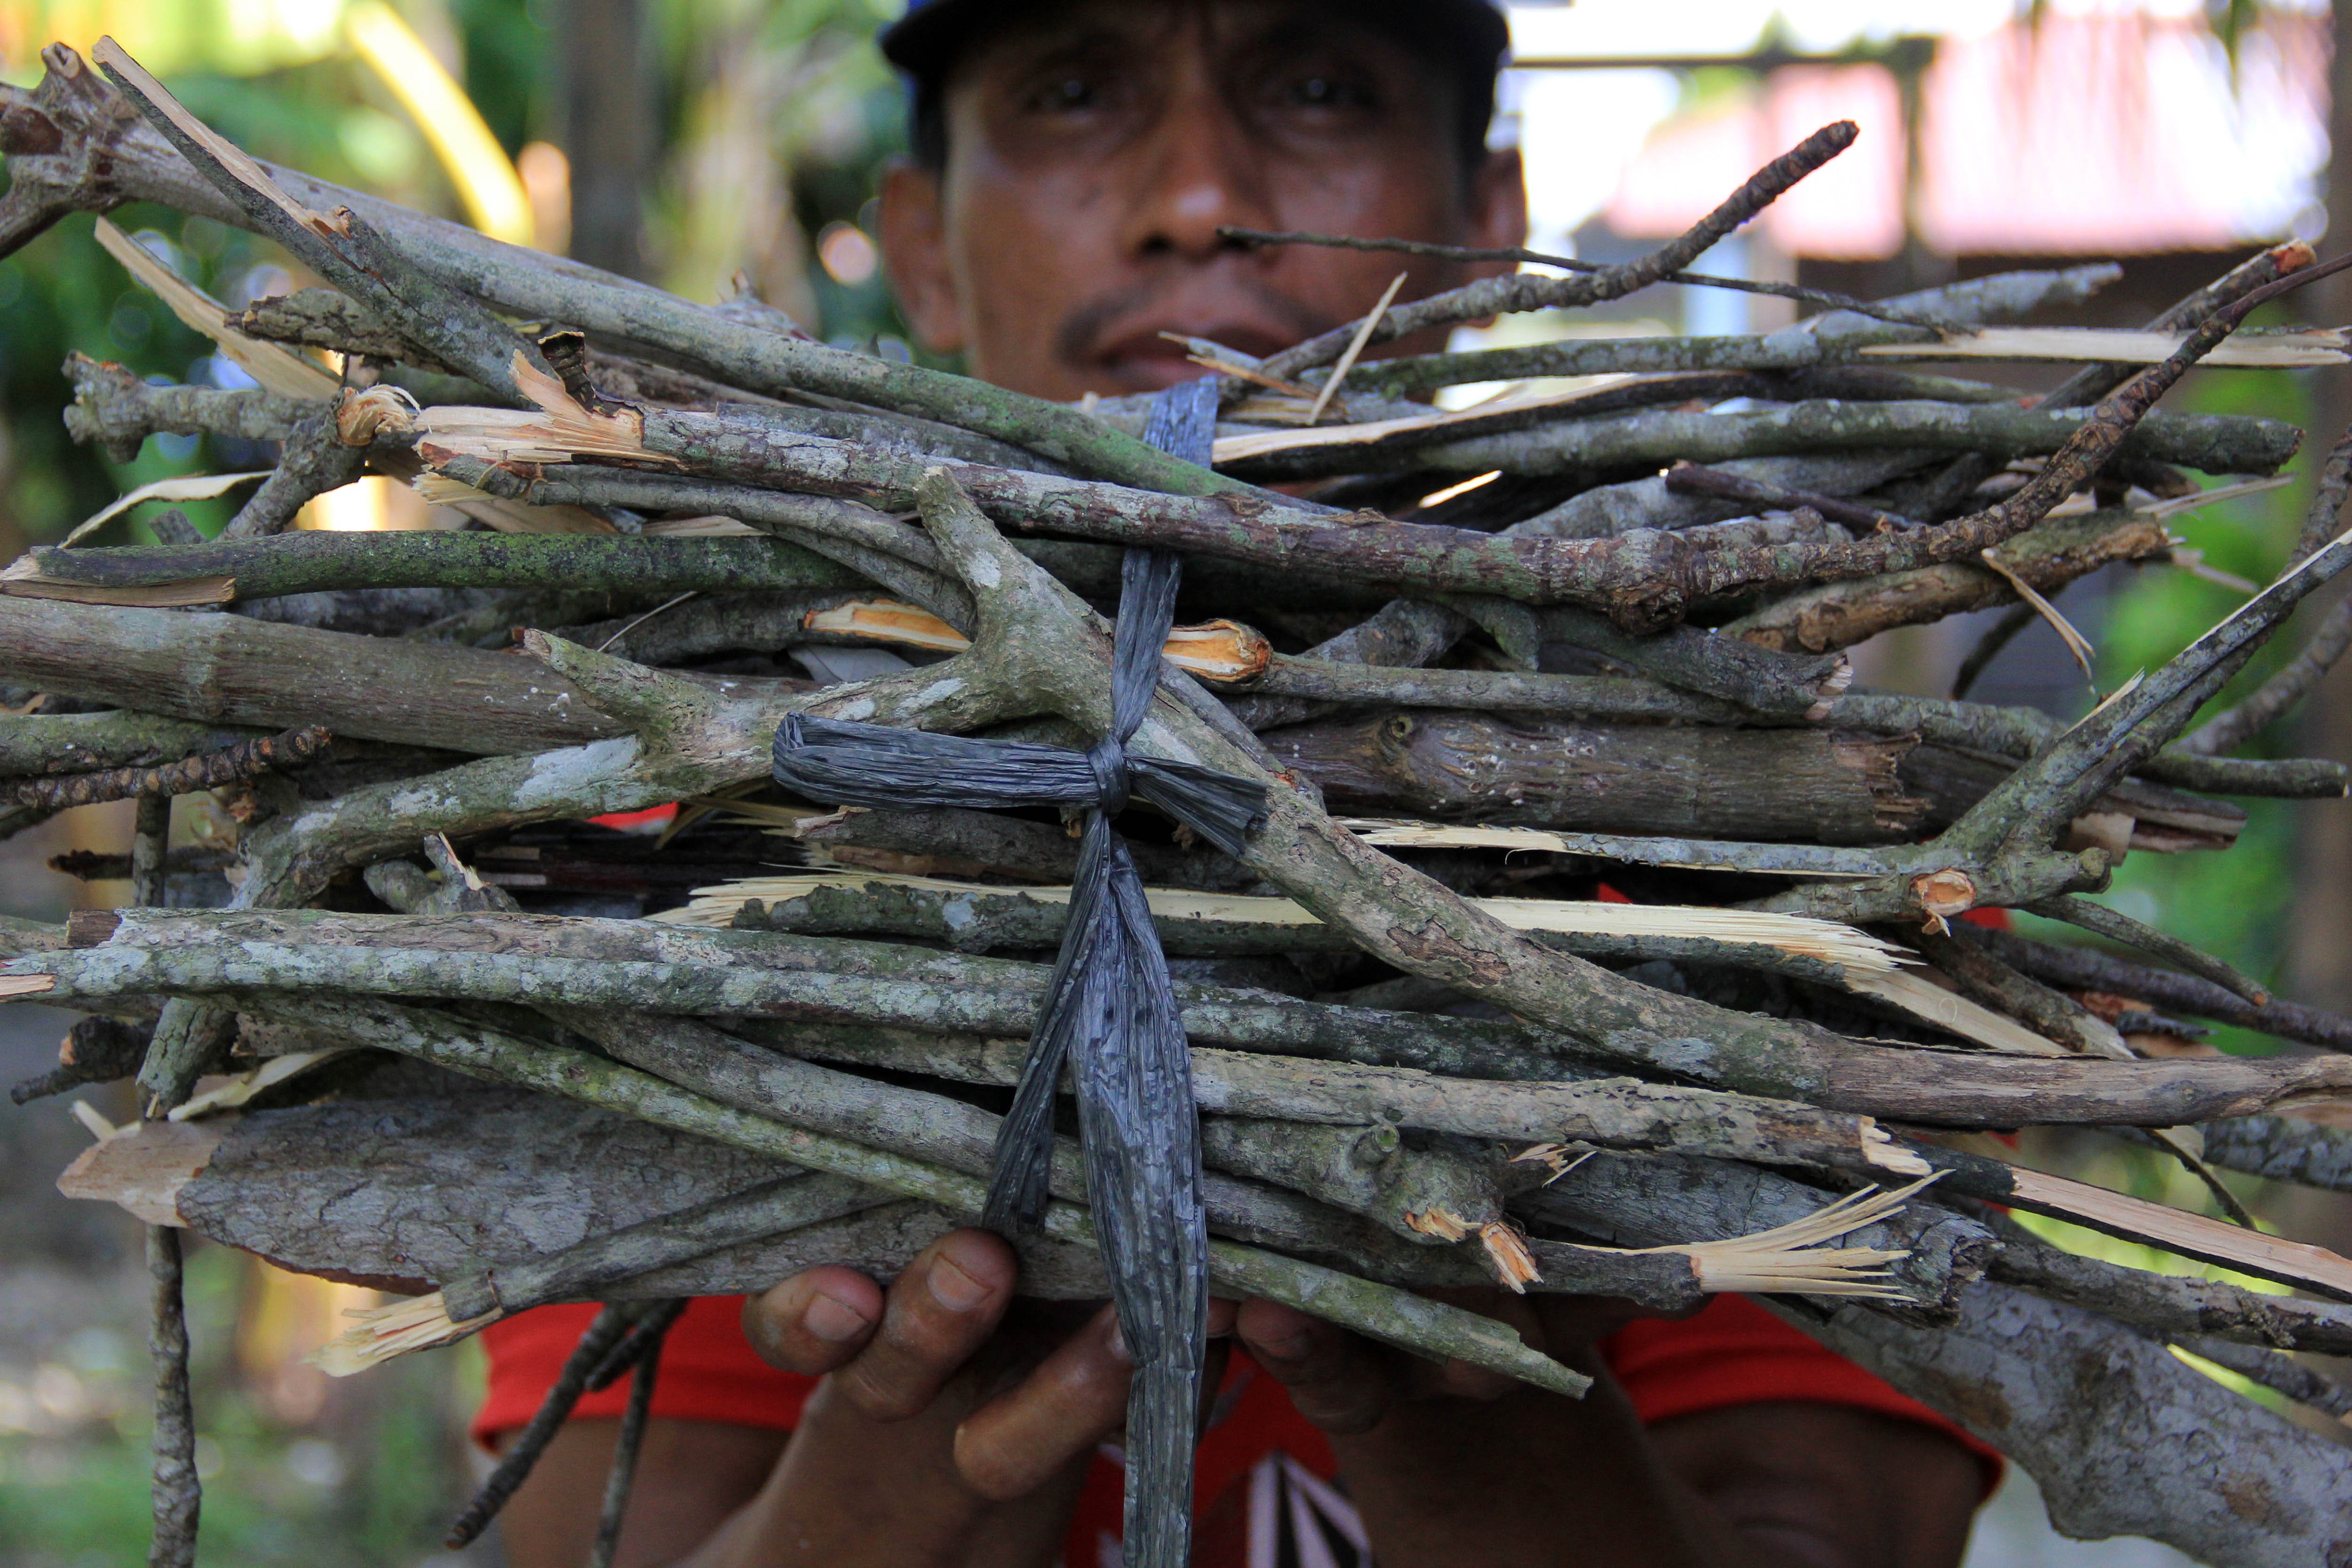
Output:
x=1148 y=358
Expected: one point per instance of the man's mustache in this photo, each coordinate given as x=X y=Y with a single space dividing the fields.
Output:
x=1081 y=336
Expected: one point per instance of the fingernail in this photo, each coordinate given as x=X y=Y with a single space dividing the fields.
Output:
x=953 y=1289
x=833 y=1320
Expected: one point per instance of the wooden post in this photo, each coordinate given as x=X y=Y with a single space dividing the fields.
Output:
x=2321 y=927
x=606 y=93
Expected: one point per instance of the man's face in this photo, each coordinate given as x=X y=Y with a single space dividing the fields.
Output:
x=1095 y=147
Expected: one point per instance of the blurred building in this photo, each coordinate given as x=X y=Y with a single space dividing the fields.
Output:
x=2116 y=133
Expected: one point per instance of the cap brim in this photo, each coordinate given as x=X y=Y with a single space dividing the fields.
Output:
x=929 y=36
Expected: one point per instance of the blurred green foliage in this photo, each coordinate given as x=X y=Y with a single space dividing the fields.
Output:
x=370 y=1483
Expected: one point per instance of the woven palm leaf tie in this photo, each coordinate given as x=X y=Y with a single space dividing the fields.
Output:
x=1109 y=1012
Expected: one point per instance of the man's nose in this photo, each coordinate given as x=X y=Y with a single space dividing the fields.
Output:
x=1197 y=173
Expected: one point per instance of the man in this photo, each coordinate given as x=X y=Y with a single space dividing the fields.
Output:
x=1074 y=162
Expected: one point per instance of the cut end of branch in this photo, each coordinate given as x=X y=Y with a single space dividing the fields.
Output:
x=1789 y=1257
x=1222 y=651
x=1878 y=1147
x=558 y=430
x=383 y=409
x=648 y=699
x=1560 y=1159
x=380 y=1333
x=540 y=645
x=1225 y=652
x=887 y=620
x=1441 y=1225
x=2294 y=256
x=1507 y=1256
x=1943 y=894
x=243 y=1088
x=1829 y=689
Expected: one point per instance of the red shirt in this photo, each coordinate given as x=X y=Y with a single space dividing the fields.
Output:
x=1733 y=1353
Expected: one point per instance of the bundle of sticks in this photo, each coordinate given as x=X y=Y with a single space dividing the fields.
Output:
x=406 y=1015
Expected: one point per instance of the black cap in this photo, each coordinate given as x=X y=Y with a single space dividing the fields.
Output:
x=926 y=40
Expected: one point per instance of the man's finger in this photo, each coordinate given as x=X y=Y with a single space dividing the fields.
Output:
x=940 y=1310
x=1458 y=1379
x=814 y=1321
x=1073 y=1400
x=1341 y=1383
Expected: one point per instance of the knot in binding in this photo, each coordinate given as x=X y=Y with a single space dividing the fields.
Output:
x=1113 y=774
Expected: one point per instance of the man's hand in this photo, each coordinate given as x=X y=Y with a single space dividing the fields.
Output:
x=952 y=1427
x=1027 y=1396
x=1456 y=1466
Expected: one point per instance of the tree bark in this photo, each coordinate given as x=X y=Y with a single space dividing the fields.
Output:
x=424 y=1189
x=1840 y=614
x=226 y=669
x=1701 y=783
x=2216 y=443
x=40 y=743
x=2283 y=1149
x=406 y=1193
x=270 y=566
x=2122 y=1438
x=2167 y=1304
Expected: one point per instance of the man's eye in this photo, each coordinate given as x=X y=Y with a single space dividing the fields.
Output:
x=1328 y=92
x=1065 y=96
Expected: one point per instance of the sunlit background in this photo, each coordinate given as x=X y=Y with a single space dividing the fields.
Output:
x=690 y=143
